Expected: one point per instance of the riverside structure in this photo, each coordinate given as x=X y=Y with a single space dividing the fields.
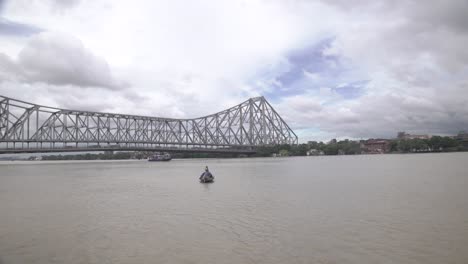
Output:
x=28 y=128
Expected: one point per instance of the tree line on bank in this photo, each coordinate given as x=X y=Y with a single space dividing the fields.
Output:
x=91 y=156
x=343 y=147
x=351 y=147
x=434 y=144
x=133 y=155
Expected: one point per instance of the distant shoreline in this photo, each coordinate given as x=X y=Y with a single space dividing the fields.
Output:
x=48 y=161
x=434 y=144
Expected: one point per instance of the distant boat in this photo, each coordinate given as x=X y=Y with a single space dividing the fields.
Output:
x=160 y=157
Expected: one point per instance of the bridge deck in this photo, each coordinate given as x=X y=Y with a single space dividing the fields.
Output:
x=157 y=149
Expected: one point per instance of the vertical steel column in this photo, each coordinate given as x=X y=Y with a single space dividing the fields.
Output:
x=7 y=111
x=251 y=124
x=27 y=133
x=241 y=125
x=77 y=127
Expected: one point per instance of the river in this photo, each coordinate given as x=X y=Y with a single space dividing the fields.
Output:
x=340 y=209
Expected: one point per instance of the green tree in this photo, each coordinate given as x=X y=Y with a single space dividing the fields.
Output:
x=330 y=149
x=394 y=145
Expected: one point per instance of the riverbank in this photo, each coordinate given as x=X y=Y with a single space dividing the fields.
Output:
x=436 y=144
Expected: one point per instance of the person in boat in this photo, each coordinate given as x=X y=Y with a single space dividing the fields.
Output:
x=206 y=174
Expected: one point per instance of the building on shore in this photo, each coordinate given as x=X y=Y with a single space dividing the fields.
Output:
x=463 y=138
x=375 y=146
x=404 y=135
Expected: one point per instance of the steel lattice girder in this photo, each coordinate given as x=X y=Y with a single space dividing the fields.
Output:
x=251 y=123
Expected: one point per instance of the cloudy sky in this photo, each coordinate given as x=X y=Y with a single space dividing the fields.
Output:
x=332 y=69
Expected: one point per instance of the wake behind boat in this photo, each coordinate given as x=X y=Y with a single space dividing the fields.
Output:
x=160 y=157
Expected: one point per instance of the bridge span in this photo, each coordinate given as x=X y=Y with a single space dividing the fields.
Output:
x=27 y=128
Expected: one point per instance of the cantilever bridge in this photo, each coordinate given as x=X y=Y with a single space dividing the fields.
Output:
x=28 y=128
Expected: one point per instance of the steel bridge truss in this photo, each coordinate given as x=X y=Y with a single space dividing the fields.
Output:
x=27 y=127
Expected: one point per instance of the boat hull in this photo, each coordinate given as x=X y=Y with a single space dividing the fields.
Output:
x=206 y=180
x=165 y=159
x=160 y=157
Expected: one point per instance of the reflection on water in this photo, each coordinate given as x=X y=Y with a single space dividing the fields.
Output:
x=344 y=209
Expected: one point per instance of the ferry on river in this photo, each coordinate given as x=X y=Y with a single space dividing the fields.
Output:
x=160 y=157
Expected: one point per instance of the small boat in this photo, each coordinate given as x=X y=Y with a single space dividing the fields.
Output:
x=207 y=178
x=160 y=157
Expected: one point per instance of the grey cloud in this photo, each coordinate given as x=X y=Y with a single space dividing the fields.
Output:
x=60 y=60
x=411 y=28
x=415 y=53
x=434 y=14
x=11 y=28
x=9 y=70
x=68 y=96
x=81 y=100
x=358 y=4
x=2 y=3
x=385 y=114
x=100 y=100
x=65 y=3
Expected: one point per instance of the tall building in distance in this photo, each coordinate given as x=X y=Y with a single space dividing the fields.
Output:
x=404 y=135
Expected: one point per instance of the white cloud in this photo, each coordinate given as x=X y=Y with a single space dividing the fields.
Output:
x=59 y=59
